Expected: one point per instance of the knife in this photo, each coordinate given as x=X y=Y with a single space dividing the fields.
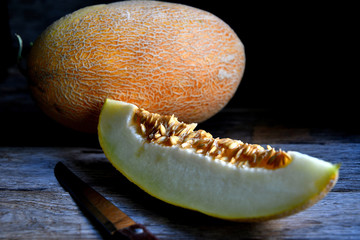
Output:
x=115 y=223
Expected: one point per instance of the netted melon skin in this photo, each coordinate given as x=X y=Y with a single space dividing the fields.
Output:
x=168 y=58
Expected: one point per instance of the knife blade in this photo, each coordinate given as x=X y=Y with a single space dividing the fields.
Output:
x=111 y=219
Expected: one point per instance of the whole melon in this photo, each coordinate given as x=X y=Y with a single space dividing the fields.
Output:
x=165 y=57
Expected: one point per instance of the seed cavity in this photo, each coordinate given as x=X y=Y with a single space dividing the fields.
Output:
x=168 y=131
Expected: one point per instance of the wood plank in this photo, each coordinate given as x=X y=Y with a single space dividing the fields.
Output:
x=33 y=204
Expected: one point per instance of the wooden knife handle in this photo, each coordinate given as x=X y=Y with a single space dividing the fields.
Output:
x=134 y=232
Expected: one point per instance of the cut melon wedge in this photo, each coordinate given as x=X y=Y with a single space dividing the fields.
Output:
x=223 y=178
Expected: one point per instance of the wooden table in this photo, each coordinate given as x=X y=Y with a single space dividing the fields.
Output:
x=34 y=206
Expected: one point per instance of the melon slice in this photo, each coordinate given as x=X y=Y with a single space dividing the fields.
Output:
x=223 y=178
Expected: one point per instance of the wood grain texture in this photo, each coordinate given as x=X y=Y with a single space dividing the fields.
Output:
x=35 y=206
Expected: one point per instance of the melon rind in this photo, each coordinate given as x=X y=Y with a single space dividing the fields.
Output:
x=194 y=181
x=164 y=57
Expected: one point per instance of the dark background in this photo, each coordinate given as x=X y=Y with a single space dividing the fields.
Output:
x=300 y=57
x=299 y=92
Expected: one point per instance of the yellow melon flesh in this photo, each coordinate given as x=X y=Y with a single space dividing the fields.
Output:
x=199 y=181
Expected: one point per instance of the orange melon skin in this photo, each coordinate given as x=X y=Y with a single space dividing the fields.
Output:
x=167 y=58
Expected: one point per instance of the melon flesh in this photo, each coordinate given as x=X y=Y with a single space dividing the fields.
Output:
x=195 y=181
